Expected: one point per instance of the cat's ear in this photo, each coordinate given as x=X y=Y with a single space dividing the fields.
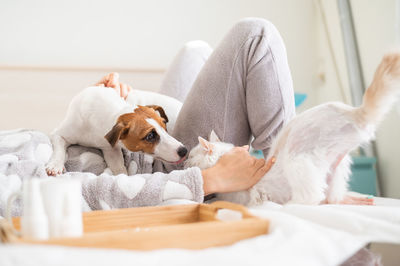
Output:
x=213 y=137
x=207 y=146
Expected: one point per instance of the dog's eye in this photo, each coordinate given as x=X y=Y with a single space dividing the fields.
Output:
x=151 y=137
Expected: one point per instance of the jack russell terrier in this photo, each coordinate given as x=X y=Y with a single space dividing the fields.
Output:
x=312 y=164
x=97 y=117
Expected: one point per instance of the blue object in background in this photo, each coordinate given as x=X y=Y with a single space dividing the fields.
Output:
x=257 y=153
x=363 y=177
x=299 y=98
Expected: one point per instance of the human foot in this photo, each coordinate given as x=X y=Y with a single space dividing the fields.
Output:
x=354 y=200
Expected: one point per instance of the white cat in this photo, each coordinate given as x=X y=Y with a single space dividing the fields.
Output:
x=312 y=162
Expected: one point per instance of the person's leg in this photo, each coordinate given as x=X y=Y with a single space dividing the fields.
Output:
x=184 y=69
x=245 y=88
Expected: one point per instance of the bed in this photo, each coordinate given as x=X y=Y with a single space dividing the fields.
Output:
x=299 y=235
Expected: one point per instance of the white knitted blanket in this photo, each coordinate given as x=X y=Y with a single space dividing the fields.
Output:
x=24 y=153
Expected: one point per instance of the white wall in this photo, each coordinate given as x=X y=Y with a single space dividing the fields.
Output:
x=133 y=34
x=330 y=73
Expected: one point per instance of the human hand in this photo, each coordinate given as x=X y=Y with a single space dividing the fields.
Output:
x=112 y=80
x=235 y=171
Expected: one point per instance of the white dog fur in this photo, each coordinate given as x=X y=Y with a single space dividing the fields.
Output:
x=312 y=162
x=94 y=111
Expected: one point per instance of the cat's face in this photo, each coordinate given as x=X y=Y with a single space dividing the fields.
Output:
x=207 y=153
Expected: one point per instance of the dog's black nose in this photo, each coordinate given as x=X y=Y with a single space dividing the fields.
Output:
x=182 y=151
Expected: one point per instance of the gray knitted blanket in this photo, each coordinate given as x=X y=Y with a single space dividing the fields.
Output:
x=24 y=153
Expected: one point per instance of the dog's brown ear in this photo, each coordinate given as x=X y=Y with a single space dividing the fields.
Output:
x=119 y=131
x=160 y=110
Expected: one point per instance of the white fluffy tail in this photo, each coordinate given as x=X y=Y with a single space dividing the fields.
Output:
x=383 y=92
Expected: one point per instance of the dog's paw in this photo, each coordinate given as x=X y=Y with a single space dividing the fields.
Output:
x=53 y=169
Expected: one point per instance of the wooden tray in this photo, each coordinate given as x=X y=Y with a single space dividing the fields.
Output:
x=180 y=226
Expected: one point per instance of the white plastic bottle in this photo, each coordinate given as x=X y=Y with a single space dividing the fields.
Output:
x=34 y=221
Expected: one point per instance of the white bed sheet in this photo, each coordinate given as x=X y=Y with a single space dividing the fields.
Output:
x=300 y=235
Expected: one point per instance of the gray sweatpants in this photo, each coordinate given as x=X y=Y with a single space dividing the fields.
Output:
x=241 y=89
